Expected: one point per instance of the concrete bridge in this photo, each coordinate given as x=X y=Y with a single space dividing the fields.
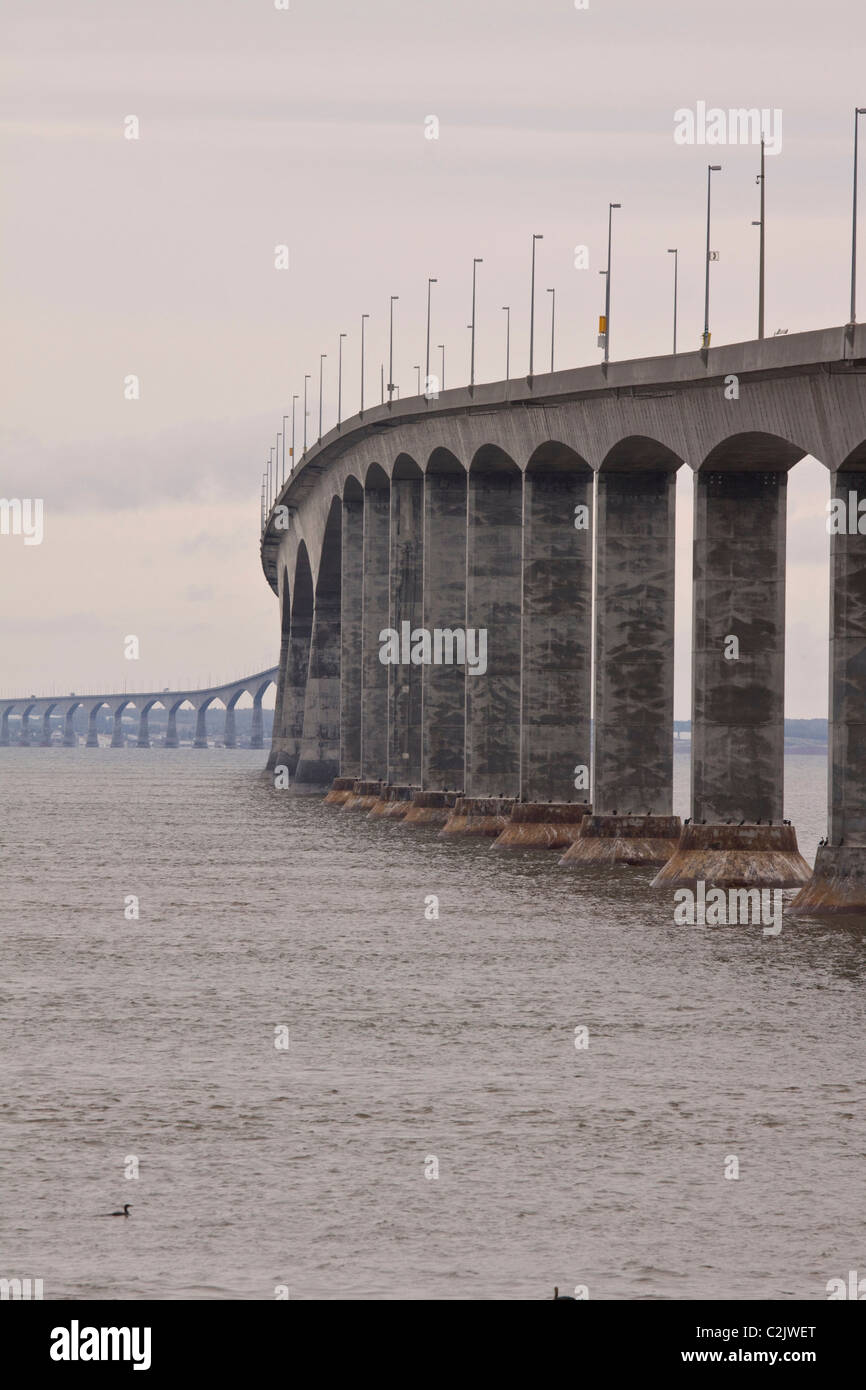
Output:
x=479 y=510
x=37 y=712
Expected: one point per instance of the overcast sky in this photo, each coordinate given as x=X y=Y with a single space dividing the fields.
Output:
x=259 y=127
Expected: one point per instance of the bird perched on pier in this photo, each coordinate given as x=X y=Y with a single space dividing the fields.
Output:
x=687 y=821
x=742 y=822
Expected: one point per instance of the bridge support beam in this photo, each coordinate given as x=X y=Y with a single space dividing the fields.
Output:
x=45 y=741
x=557 y=635
x=200 y=740
x=117 y=739
x=143 y=740
x=352 y=570
x=256 y=726
x=171 y=739
x=319 y=762
x=493 y=602
x=92 y=736
x=230 y=739
x=4 y=728
x=634 y=687
x=406 y=607
x=838 y=882
x=738 y=697
x=444 y=606
x=374 y=675
x=70 y=737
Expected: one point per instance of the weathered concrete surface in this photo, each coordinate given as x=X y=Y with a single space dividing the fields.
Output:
x=479 y=816
x=543 y=825
x=634 y=681
x=738 y=701
x=430 y=808
x=319 y=761
x=350 y=633
x=736 y=856
x=847 y=786
x=493 y=605
x=557 y=625
x=406 y=606
x=444 y=606
x=374 y=675
x=363 y=796
x=393 y=803
x=837 y=884
x=340 y=790
x=624 y=840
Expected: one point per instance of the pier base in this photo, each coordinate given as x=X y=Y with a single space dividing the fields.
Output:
x=543 y=825
x=362 y=796
x=393 y=803
x=430 y=808
x=736 y=856
x=340 y=791
x=624 y=840
x=478 y=815
x=838 y=883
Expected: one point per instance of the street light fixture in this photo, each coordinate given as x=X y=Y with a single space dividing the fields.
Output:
x=285 y=418
x=610 y=209
x=306 y=379
x=552 y=294
x=711 y=169
x=759 y=178
x=391 y=352
x=536 y=236
x=507 y=311
x=673 y=251
x=322 y=356
x=431 y=280
x=441 y=347
x=858 y=111
x=292 y=455
x=476 y=261
x=340 y=376
x=417 y=368
x=363 y=317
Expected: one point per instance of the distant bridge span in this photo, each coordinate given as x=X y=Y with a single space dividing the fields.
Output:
x=36 y=708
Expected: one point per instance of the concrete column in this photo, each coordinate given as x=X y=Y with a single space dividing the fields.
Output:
x=117 y=731
x=4 y=727
x=634 y=680
x=70 y=737
x=229 y=735
x=738 y=658
x=279 y=731
x=406 y=580
x=256 y=736
x=557 y=635
x=45 y=741
x=319 y=761
x=838 y=883
x=350 y=636
x=493 y=601
x=444 y=606
x=374 y=675
x=200 y=740
x=143 y=740
x=92 y=736
x=297 y=668
x=171 y=739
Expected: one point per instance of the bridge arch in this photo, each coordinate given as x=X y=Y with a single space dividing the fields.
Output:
x=319 y=760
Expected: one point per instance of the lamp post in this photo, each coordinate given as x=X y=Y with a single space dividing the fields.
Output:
x=552 y=294
x=711 y=169
x=506 y=308
x=306 y=379
x=322 y=356
x=476 y=261
x=430 y=281
x=858 y=111
x=441 y=347
x=391 y=352
x=759 y=178
x=271 y=477
x=285 y=418
x=610 y=209
x=294 y=398
x=363 y=317
x=673 y=251
x=277 y=465
x=536 y=236
x=340 y=376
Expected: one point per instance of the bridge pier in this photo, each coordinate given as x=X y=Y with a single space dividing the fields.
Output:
x=256 y=724
x=70 y=737
x=375 y=589
x=738 y=698
x=493 y=607
x=92 y=740
x=45 y=741
x=4 y=727
x=200 y=739
x=352 y=572
x=143 y=740
x=117 y=740
x=444 y=606
x=838 y=881
x=171 y=738
x=634 y=687
x=229 y=735
x=406 y=548
x=319 y=761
